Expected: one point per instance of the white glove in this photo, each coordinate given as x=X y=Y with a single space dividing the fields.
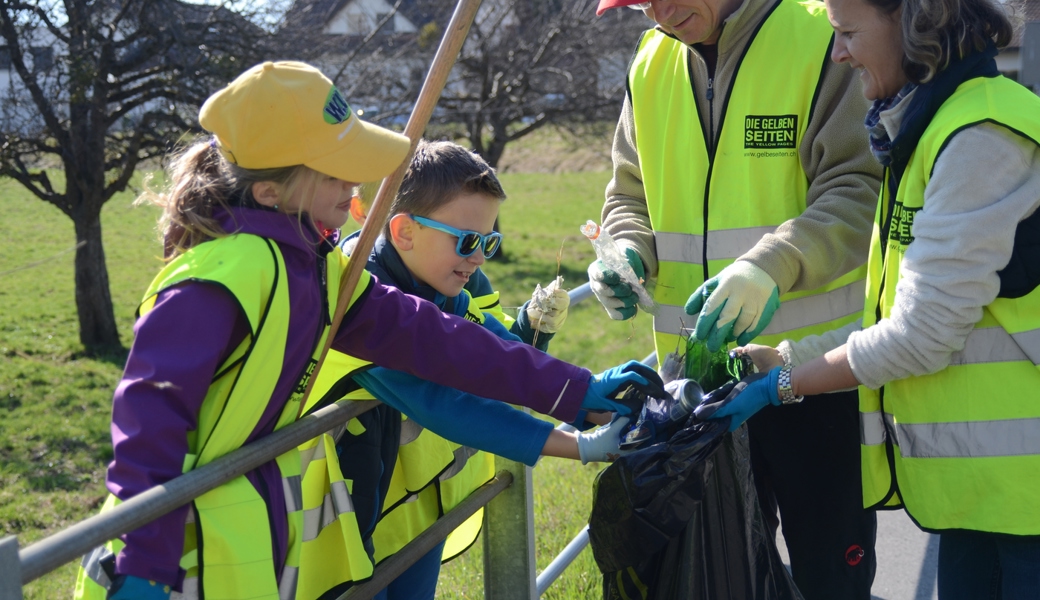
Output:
x=735 y=305
x=603 y=443
x=548 y=307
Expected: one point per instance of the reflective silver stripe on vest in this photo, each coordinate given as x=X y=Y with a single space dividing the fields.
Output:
x=316 y=452
x=873 y=429
x=462 y=454
x=972 y=439
x=338 y=432
x=723 y=244
x=679 y=247
x=189 y=590
x=341 y=497
x=335 y=503
x=1029 y=342
x=674 y=320
x=293 y=488
x=410 y=431
x=92 y=565
x=792 y=314
x=287 y=587
x=995 y=344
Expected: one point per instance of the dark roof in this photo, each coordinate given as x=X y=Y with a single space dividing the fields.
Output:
x=1025 y=11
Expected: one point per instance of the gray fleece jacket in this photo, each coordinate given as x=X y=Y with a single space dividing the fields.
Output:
x=833 y=234
x=984 y=182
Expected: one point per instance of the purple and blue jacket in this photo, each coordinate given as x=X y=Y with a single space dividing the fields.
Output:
x=194 y=326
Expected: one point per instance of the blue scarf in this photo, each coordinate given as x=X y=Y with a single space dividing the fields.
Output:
x=880 y=143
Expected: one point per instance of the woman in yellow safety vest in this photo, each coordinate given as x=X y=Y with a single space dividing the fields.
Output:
x=230 y=330
x=947 y=354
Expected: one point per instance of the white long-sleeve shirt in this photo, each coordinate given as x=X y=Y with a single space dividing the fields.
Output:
x=984 y=183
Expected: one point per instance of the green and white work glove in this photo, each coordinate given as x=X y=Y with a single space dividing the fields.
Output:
x=616 y=295
x=735 y=305
x=547 y=309
x=602 y=444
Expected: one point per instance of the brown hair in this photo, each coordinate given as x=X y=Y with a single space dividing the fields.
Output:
x=938 y=31
x=199 y=180
x=438 y=173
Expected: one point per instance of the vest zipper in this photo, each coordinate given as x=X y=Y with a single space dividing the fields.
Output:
x=323 y=278
x=711 y=163
x=308 y=370
x=325 y=322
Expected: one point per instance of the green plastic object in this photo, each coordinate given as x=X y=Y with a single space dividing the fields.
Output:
x=710 y=369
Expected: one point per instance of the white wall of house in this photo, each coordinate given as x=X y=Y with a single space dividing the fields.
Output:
x=361 y=16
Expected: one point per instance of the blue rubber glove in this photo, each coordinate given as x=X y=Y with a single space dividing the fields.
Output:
x=743 y=399
x=603 y=444
x=605 y=388
x=496 y=327
x=735 y=305
x=128 y=587
x=613 y=293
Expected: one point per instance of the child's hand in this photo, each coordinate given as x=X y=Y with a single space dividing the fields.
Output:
x=547 y=309
x=605 y=388
x=603 y=444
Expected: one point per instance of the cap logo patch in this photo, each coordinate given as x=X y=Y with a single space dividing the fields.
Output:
x=336 y=108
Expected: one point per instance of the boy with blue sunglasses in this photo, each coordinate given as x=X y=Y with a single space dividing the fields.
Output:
x=440 y=173
x=439 y=233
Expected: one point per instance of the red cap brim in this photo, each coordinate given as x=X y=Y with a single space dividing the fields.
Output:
x=605 y=5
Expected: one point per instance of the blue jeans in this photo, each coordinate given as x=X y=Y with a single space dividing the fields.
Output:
x=419 y=582
x=974 y=565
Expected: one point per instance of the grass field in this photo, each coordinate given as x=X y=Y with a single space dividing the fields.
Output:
x=54 y=403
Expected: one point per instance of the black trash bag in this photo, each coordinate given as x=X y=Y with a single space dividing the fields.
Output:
x=660 y=419
x=680 y=519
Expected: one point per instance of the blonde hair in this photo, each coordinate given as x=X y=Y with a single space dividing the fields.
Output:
x=936 y=32
x=200 y=180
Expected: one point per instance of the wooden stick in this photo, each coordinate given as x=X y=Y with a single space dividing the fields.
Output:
x=443 y=61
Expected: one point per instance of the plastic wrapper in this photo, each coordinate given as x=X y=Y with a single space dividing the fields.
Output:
x=680 y=519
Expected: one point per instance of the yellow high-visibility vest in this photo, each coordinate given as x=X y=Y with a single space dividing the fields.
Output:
x=709 y=208
x=960 y=449
x=231 y=520
x=431 y=475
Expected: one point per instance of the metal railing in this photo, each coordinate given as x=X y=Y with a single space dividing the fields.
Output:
x=509 y=567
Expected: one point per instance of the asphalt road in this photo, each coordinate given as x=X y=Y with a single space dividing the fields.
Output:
x=907 y=559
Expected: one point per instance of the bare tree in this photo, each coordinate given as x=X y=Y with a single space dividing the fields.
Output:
x=95 y=87
x=529 y=63
x=526 y=64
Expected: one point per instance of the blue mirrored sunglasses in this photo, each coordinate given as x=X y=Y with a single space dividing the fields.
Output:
x=469 y=241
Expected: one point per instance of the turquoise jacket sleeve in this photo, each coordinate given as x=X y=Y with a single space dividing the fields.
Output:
x=463 y=418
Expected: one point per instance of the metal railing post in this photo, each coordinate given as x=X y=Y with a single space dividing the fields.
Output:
x=71 y=543
x=391 y=568
x=10 y=569
x=509 y=538
x=562 y=561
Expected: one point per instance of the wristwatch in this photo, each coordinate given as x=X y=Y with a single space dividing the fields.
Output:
x=784 y=389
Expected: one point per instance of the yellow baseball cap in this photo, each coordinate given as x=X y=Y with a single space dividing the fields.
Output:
x=282 y=114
